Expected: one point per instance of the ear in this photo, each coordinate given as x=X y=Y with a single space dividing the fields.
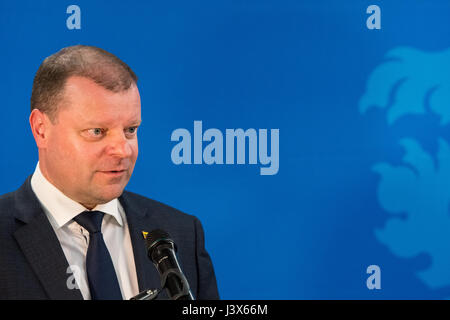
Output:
x=40 y=127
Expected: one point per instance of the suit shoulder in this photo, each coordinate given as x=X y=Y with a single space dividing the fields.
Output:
x=156 y=207
x=7 y=209
x=7 y=200
x=6 y=196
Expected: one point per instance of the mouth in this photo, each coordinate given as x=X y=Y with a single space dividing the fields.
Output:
x=114 y=173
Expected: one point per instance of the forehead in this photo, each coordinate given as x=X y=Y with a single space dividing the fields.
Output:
x=85 y=100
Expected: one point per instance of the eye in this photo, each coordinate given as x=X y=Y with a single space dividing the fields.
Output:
x=95 y=132
x=131 y=130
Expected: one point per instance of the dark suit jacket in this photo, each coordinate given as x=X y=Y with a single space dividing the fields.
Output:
x=33 y=264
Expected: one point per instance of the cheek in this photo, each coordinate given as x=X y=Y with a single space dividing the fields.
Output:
x=74 y=154
x=61 y=148
x=135 y=150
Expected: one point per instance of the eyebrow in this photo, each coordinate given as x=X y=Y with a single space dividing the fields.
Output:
x=98 y=124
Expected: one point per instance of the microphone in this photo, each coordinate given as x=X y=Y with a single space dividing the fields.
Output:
x=161 y=251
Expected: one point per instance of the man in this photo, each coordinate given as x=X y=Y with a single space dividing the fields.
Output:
x=71 y=231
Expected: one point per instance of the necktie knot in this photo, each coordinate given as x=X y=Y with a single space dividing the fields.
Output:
x=90 y=220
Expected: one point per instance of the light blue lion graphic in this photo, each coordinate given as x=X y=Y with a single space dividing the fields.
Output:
x=417 y=193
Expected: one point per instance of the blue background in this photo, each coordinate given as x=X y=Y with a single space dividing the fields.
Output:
x=308 y=232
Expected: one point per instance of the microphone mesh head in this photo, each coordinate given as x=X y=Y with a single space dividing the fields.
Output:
x=156 y=235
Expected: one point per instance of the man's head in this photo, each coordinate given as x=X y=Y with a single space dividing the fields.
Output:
x=85 y=110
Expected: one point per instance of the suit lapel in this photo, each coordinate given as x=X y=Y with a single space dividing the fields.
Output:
x=139 y=219
x=41 y=247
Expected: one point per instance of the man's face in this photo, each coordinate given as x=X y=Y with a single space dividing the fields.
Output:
x=92 y=147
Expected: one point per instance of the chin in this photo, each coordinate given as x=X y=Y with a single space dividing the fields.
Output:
x=114 y=193
x=103 y=192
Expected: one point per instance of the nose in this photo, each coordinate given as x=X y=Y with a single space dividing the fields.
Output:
x=120 y=146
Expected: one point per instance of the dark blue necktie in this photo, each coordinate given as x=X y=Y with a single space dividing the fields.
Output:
x=101 y=275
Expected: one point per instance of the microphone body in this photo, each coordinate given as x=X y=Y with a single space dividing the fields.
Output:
x=162 y=252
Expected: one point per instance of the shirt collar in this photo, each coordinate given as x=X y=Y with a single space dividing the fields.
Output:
x=61 y=208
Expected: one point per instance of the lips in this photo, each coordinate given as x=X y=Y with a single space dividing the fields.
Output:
x=117 y=172
x=114 y=170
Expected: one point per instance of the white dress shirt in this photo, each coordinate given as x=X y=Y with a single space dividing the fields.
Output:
x=74 y=239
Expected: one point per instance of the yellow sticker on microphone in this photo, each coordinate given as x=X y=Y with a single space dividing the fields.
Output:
x=144 y=234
